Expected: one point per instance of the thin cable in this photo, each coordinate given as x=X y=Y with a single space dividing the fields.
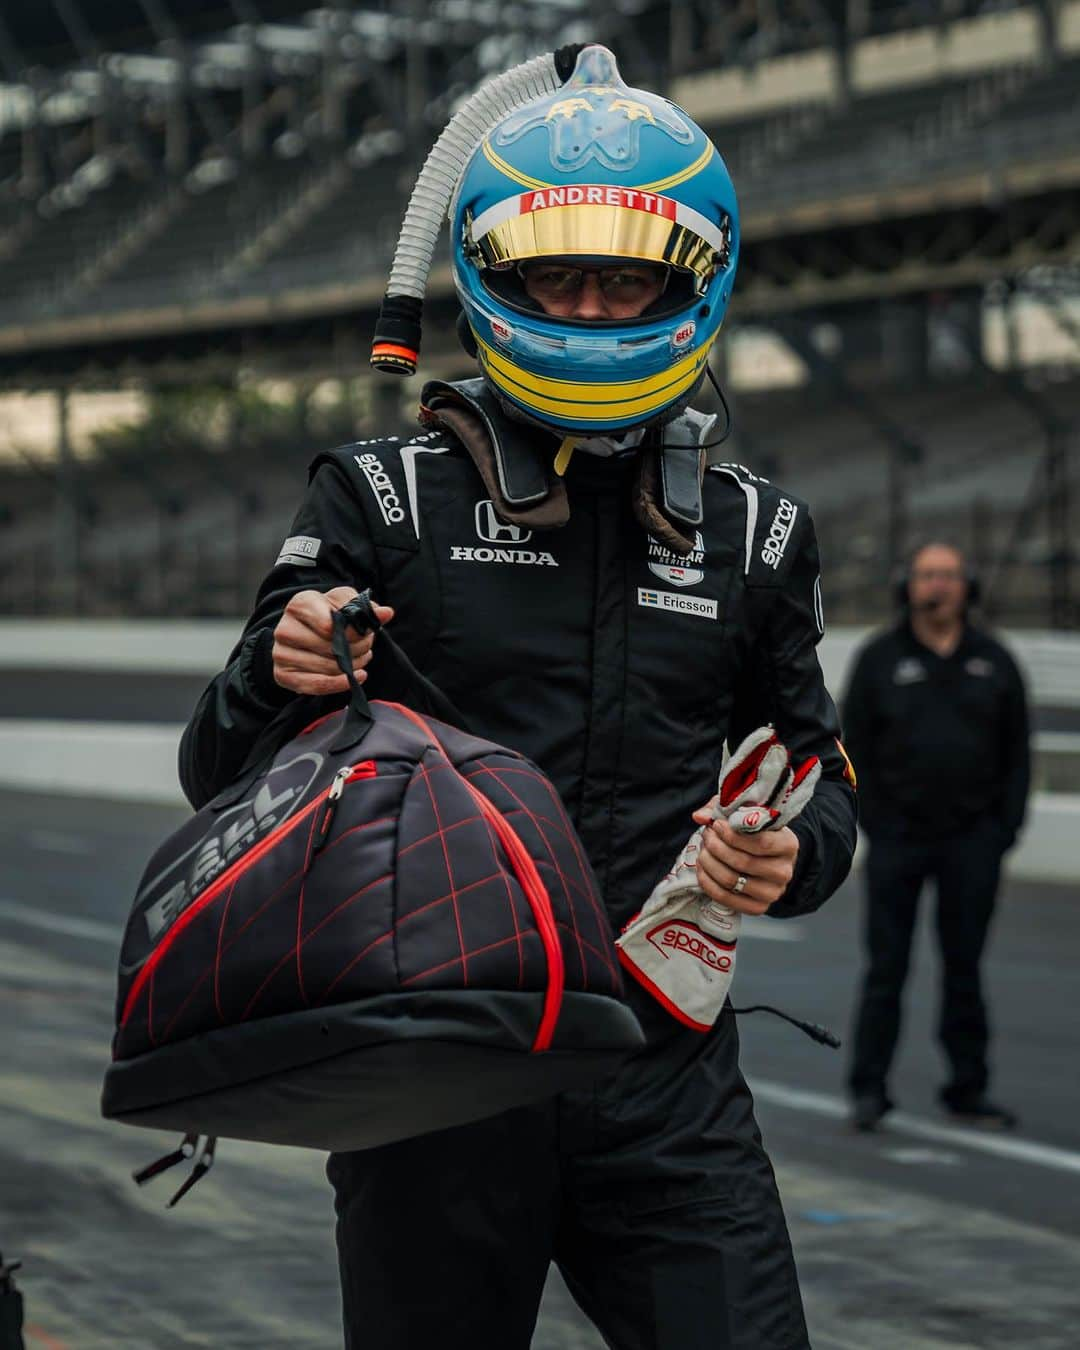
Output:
x=728 y=421
x=814 y=1030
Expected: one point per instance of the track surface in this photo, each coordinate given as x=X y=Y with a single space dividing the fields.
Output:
x=913 y=1239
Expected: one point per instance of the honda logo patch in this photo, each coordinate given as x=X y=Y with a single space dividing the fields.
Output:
x=494 y=531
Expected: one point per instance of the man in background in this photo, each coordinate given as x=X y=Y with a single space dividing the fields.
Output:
x=936 y=723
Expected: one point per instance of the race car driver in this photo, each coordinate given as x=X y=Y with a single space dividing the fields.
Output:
x=557 y=558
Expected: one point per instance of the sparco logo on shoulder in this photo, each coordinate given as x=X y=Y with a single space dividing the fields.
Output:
x=783 y=522
x=382 y=485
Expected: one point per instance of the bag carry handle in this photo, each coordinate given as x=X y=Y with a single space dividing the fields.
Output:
x=415 y=689
x=359 y=615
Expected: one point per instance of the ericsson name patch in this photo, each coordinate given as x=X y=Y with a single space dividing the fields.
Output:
x=301 y=550
x=696 y=605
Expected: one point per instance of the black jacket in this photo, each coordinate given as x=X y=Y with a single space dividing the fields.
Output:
x=937 y=742
x=617 y=667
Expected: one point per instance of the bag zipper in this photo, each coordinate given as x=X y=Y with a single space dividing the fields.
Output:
x=331 y=795
x=330 y=806
x=531 y=883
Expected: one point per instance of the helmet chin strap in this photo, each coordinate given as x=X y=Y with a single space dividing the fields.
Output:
x=562 y=456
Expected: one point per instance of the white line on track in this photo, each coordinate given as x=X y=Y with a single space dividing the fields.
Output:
x=899 y=1122
x=62 y=923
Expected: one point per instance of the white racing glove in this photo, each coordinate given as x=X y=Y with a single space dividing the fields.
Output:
x=681 y=946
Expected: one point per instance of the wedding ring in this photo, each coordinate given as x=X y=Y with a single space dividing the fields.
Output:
x=740 y=885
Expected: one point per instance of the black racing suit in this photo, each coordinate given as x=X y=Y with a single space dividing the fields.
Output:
x=620 y=668
x=940 y=744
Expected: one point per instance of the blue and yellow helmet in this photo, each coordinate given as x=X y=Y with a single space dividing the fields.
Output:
x=595 y=172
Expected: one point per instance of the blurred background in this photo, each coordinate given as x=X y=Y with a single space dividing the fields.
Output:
x=199 y=200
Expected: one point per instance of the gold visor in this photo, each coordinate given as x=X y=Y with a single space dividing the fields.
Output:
x=599 y=231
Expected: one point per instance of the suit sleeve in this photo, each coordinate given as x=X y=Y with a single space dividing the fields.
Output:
x=1015 y=733
x=238 y=704
x=784 y=685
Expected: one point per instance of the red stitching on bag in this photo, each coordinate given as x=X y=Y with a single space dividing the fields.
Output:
x=583 y=884
x=568 y=833
x=425 y=774
x=300 y=909
x=386 y=876
x=597 y=951
x=469 y=820
x=267 y=980
x=218 y=952
x=307 y=937
x=210 y=896
x=578 y=884
x=187 y=999
x=214 y=891
x=357 y=958
x=443 y=965
x=431 y=904
x=531 y=883
x=364 y=825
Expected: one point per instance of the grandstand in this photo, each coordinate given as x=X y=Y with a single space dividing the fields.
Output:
x=206 y=196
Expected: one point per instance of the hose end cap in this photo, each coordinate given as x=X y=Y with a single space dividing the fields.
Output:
x=393 y=359
x=395 y=348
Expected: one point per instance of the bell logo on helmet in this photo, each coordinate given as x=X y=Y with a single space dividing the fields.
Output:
x=501 y=332
x=683 y=335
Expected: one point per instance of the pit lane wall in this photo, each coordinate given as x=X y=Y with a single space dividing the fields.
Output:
x=96 y=708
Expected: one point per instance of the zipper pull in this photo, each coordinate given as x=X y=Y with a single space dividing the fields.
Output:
x=186 y=1150
x=337 y=787
x=330 y=806
x=205 y=1162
